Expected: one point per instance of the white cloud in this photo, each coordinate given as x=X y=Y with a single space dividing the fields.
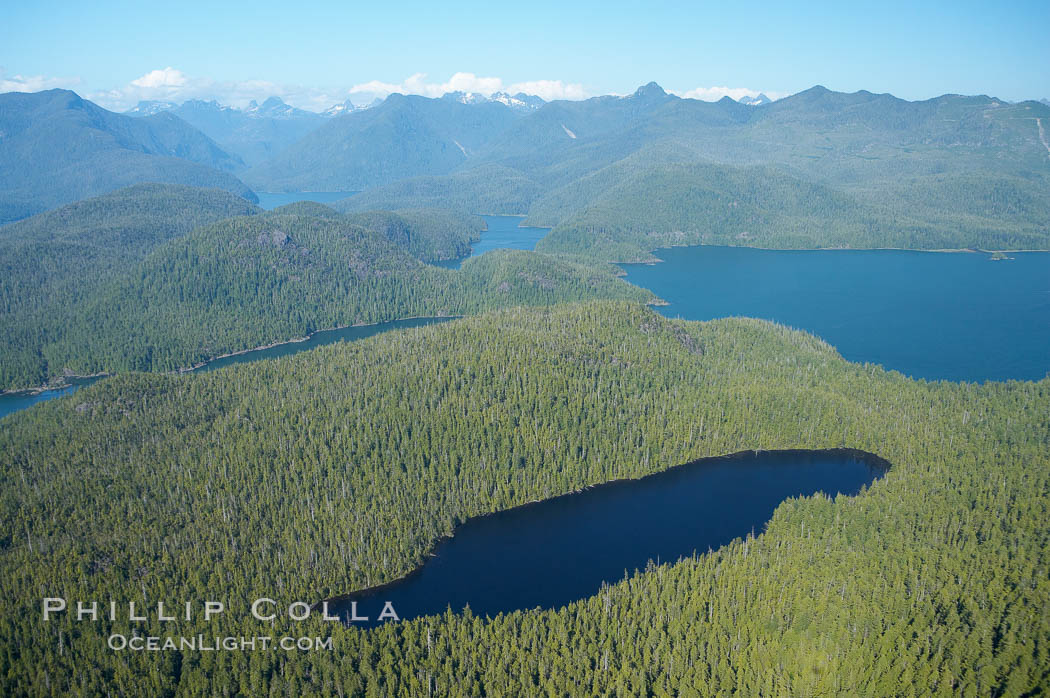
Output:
x=417 y=85
x=172 y=85
x=34 y=83
x=469 y=82
x=169 y=77
x=375 y=87
x=550 y=89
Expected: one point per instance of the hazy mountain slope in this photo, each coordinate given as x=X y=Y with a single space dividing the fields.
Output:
x=255 y=134
x=56 y=148
x=633 y=212
x=564 y=141
x=694 y=203
x=844 y=140
x=485 y=189
x=859 y=137
x=558 y=203
x=402 y=137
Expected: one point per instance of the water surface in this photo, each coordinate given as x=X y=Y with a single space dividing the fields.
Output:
x=317 y=339
x=560 y=550
x=953 y=316
x=503 y=232
x=13 y=402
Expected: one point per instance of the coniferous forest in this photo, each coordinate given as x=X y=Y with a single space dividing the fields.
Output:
x=338 y=468
x=119 y=283
x=137 y=247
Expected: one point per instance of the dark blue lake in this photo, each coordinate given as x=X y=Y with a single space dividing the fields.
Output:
x=953 y=316
x=13 y=402
x=560 y=550
x=270 y=200
x=503 y=232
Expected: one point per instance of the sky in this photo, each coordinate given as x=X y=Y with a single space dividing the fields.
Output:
x=317 y=54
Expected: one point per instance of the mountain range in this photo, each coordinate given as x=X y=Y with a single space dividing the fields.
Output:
x=952 y=171
x=404 y=136
x=755 y=101
x=254 y=134
x=519 y=102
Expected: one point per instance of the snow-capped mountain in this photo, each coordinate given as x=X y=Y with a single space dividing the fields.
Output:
x=755 y=101
x=340 y=109
x=275 y=108
x=149 y=108
x=466 y=97
x=255 y=133
x=518 y=102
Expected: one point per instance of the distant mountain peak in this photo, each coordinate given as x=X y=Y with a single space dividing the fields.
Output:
x=519 y=102
x=150 y=107
x=755 y=101
x=650 y=90
x=272 y=108
x=340 y=109
x=209 y=103
x=466 y=97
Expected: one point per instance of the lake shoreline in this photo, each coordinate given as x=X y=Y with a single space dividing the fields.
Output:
x=930 y=316
x=299 y=340
x=190 y=369
x=946 y=250
x=369 y=592
x=65 y=383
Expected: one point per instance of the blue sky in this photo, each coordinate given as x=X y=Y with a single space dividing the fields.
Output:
x=317 y=54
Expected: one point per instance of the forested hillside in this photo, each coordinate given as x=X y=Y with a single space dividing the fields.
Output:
x=53 y=264
x=430 y=234
x=254 y=280
x=631 y=213
x=336 y=469
x=57 y=148
x=489 y=189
